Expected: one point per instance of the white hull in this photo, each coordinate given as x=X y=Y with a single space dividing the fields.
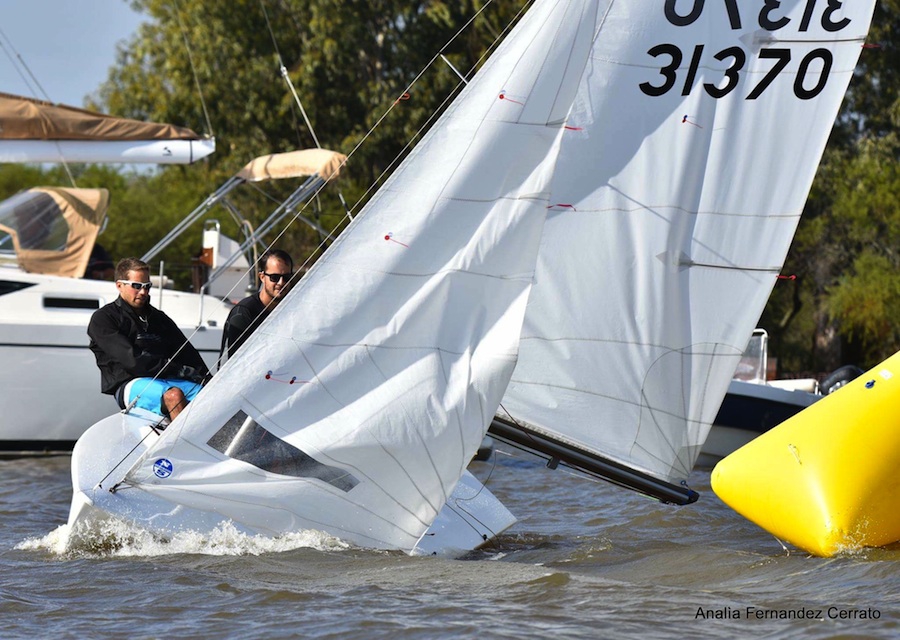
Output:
x=51 y=390
x=470 y=518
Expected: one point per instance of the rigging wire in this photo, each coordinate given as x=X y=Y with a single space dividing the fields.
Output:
x=301 y=209
x=18 y=66
x=187 y=46
x=284 y=74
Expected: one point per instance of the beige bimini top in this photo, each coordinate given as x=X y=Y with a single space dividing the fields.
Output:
x=30 y=119
x=294 y=164
x=53 y=229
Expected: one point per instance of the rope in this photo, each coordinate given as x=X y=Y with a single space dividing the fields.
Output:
x=125 y=457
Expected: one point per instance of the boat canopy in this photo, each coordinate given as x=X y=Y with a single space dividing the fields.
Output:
x=294 y=164
x=33 y=130
x=318 y=166
x=52 y=229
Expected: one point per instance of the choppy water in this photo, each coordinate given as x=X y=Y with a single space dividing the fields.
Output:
x=586 y=560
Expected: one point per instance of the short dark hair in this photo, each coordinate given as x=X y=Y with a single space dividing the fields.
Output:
x=274 y=253
x=130 y=264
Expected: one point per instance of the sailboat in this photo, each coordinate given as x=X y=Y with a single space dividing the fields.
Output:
x=47 y=238
x=563 y=259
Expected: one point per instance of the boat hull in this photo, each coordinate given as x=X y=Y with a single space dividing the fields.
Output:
x=748 y=410
x=471 y=517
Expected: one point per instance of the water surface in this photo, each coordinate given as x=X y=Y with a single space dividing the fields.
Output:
x=585 y=560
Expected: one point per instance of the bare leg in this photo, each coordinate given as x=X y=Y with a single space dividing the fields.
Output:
x=175 y=401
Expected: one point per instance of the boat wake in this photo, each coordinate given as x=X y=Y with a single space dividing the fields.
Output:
x=119 y=539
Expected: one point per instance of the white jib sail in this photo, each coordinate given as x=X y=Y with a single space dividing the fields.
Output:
x=358 y=404
x=693 y=141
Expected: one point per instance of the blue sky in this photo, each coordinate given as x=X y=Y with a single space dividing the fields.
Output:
x=68 y=45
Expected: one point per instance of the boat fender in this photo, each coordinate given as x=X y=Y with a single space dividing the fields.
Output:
x=840 y=377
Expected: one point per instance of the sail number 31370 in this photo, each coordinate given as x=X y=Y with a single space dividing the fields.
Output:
x=812 y=71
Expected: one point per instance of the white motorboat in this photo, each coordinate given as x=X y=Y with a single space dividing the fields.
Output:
x=755 y=404
x=51 y=392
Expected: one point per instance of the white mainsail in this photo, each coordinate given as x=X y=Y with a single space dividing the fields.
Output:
x=668 y=145
x=368 y=390
x=694 y=140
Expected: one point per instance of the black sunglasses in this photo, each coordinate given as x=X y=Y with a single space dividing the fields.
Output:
x=275 y=277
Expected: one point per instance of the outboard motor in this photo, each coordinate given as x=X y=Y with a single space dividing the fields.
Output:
x=839 y=377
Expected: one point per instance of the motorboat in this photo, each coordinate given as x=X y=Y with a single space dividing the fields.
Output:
x=755 y=404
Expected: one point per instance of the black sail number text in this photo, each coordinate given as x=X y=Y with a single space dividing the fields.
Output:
x=809 y=81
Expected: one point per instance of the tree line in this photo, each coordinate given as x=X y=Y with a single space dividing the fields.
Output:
x=217 y=68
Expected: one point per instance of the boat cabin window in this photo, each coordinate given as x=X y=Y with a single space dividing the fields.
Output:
x=7 y=286
x=71 y=303
x=242 y=438
x=36 y=220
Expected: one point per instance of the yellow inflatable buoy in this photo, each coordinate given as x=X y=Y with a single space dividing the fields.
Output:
x=827 y=479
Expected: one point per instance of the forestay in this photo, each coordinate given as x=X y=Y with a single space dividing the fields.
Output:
x=357 y=405
x=682 y=173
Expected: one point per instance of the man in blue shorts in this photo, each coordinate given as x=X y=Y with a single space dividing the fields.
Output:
x=141 y=352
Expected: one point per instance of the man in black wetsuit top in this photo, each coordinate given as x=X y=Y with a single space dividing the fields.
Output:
x=275 y=271
x=142 y=354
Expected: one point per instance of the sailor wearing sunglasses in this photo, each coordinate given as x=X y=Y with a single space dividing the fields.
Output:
x=141 y=352
x=276 y=269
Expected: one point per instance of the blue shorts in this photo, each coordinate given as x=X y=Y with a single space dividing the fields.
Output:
x=149 y=392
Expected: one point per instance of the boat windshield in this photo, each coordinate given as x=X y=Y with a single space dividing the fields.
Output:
x=36 y=220
x=754 y=363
